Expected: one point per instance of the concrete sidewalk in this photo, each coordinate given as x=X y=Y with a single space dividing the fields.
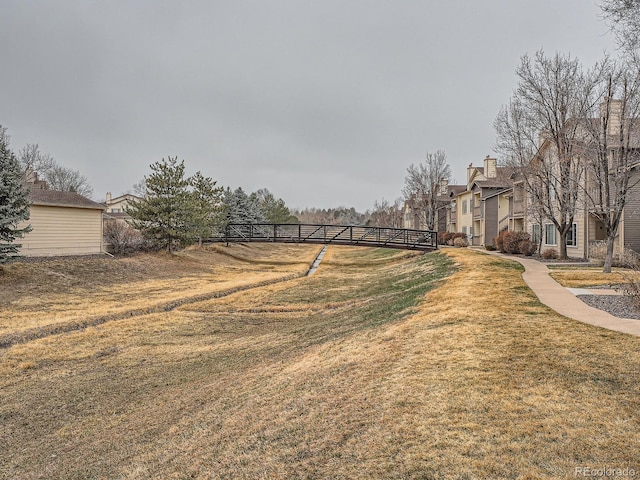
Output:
x=560 y=299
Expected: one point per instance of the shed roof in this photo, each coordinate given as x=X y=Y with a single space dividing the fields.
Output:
x=54 y=198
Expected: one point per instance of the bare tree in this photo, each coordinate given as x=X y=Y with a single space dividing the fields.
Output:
x=121 y=237
x=422 y=185
x=32 y=159
x=57 y=177
x=68 y=180
x=624 y=18
x=386 y=214
x=539 y=132
x=611 y=151
x=140 y=188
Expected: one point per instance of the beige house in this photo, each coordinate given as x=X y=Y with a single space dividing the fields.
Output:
x=481 y=206
x=63 y=223
x=413 y=216
x=586 y=228
x=116 y=208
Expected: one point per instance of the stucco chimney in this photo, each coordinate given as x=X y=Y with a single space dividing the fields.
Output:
x=469 y=171
x=30 y=176
x=615 y=115
x=490 y=167
x=108 y=198
x=444 y=185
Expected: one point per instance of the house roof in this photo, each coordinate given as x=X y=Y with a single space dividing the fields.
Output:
x=491 y=183
x=499 y=192
x=54 y=198
x=126 y=196
x=455 y=190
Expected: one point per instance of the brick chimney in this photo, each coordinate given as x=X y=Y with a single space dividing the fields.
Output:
x=108 y=198
x=490 y=164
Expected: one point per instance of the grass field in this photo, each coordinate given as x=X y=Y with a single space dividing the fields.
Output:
x=72 y=290
x=383 y=364
x=584 y=277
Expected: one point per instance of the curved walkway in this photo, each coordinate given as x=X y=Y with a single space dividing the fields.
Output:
x=563 y=301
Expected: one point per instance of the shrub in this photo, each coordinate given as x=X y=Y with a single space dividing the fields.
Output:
x=456 y=235
x=122 y=238
x=490 y=247
x=499 y=241
x=632 y=286
x=549 y=254
x=444 y=237
x=511 y=241
x=461 y=241
x=527 y=247
x=626 y=258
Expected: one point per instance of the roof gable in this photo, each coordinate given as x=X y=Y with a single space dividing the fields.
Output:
x=126 y=197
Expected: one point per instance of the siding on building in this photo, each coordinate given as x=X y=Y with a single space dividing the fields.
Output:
x=465 y=220
x=491 y=219
x=63 y=231
x=631 y=219
x=63 y=223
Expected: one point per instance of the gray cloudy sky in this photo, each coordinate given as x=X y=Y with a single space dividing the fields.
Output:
x=323 y=102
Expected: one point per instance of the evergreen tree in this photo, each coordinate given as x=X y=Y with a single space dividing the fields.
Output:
x=274 y=209
x=14 y=203
x=206 y=205
x=165 y=216
x=241 y=208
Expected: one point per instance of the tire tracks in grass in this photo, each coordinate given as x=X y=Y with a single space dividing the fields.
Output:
x=15 y=338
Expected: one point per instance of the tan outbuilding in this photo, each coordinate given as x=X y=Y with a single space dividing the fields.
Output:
x=63 y=223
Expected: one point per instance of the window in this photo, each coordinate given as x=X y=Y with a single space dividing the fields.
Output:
x=464 y=230
x=535 y=234
x=550 y=234
x=115 y=210
x=464 y=208
x=471 y=231
x=572 y=236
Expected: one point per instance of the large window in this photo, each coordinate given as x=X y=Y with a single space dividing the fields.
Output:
x=572 y=236
x=550 y=234
x=535 y=233
x=464 y=207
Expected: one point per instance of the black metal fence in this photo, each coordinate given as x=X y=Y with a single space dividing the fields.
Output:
x=401 y=238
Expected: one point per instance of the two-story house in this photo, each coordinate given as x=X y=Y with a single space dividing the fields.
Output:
x=482 y=204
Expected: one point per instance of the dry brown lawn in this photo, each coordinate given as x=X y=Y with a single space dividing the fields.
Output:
x=584 y=277
x=374 y=367
x=58 y=291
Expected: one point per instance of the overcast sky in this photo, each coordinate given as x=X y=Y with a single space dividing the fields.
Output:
x=323 y=102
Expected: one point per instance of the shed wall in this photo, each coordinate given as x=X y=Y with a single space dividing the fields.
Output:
x=63 y=231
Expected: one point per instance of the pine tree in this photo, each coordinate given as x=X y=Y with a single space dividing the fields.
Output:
x=165 y=217
x=274 y=209
x=14 y=203
x=206 y=201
